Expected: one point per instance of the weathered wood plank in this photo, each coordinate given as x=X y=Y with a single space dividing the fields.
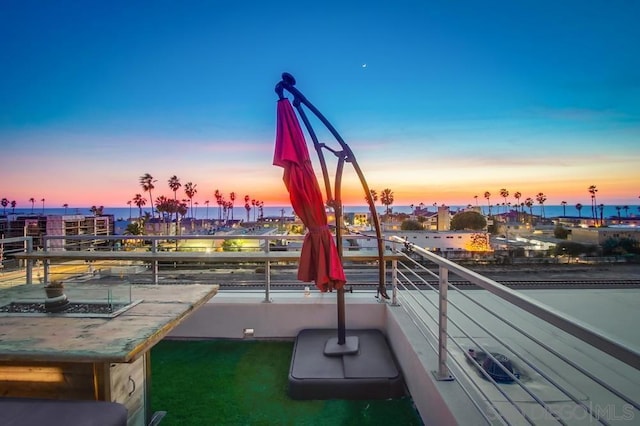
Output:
x=119 y=339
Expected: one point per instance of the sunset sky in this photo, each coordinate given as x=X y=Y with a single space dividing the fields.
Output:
x=439 y=100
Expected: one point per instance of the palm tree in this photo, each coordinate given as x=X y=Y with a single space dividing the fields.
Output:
x=207 y=211
x=42 y=205
x=162 y=207
x=626 y=210
x=5 y=203
x=487 y=195
x=129 y=204
x=592 y=191
x=386 y=198
x=246 y=205
x=66 y=206
x=96 y=211
x=174 y=184
x=374 y=197
x=564 y=208
x=33 y=200
x=232 y=197
x=601 y=208
x=219 y=202
x=529 y=203
x=146 y=181
x=504 y=194
x=618 y=208
x=261 y=209
x=190 y=191
x=579 y=208
x=541 y=198
x=517 y=196
x=13 y=206
x=139 y=201
x=476 y=197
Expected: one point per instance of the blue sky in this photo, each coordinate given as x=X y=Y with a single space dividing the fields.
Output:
x=456 y=98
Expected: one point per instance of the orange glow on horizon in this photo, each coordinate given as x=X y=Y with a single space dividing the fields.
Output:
x=271 y=190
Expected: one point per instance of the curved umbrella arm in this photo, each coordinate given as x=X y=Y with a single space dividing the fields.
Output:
x=287 y=83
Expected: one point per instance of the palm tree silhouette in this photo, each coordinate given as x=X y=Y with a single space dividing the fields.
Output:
x=541 y=198
x=232 y=197
x=592 y=190
x=190 y=191
x=174 y=184
x=374 y=197
x=66 y=206
x=564 y=208
x=219 y=202
x=146 y=181
x=529 y=203
x=42 y=205
x=386 y=198
x=33 y=200
x=139 y=201
x=487 y=195
x=247 y=207
x=579 y=208
x=517 y=196
x=504 y=194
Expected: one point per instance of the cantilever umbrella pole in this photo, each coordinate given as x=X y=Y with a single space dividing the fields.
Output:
x=288 y=82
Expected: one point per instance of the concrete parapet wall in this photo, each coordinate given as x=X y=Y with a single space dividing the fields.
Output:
x=227 y=316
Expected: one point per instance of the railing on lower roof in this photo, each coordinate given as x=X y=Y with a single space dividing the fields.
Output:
x=410 y=272
x=159 y=259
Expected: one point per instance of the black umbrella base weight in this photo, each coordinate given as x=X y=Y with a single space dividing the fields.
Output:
x=369 y=373
x=350 y=346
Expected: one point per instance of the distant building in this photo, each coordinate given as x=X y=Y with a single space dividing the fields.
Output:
x=39 y=226
x=599 y=235
x=447 y=243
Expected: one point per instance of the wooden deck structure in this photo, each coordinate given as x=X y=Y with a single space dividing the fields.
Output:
x=61 y=357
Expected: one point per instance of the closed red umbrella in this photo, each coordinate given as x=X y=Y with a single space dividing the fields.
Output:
x=319 y=260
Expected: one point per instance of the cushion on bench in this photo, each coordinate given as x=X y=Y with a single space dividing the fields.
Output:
x=54 y=412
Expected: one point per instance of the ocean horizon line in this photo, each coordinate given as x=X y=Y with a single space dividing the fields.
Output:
x=239 y=212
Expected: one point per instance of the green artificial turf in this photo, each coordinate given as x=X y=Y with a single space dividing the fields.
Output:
x=223 y=382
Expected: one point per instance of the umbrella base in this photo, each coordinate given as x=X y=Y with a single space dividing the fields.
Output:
x=350 y=347
x=369 y=373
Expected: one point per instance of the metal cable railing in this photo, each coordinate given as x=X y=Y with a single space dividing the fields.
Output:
x=425 y=310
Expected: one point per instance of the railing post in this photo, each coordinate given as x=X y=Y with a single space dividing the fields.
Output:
x=267 y=274
x=154 y=264
x=394 y=283
x=29 y=249
x=443 y=372
x=46 y=264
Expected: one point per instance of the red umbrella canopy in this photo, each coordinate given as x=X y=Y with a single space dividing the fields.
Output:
x=319 y=260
